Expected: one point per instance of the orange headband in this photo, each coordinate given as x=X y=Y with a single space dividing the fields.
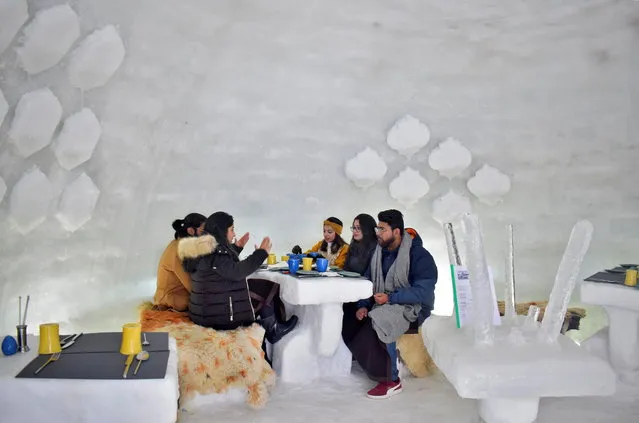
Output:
x=337 y=228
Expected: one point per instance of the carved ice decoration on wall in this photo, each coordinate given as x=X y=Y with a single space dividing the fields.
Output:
x=95 y=61
x=78 y=138
x=408 y=187
x=77 y=203
x=450 y=158
x=48 y=38
x=366 y=168
x=3 y=189
x=407 y=136
x=30 y=200
x=450 y=206
x=4 y=108
x=13 y=14
x=36 y=117
x=489 y=185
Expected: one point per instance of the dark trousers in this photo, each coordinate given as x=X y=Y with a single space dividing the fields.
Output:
x=360 y=337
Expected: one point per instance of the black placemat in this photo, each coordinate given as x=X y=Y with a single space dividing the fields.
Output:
x=607 y=277
x=96 y=366
x=110 y=342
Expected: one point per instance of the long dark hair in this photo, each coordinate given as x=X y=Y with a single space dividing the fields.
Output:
x=218 y=225
x=338 y=242
x=367 y=225
x=181 y=226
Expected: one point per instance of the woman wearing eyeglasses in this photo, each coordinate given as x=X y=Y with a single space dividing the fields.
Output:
x=362 y=244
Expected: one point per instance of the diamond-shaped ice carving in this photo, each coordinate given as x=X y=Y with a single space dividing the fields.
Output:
x=78 y=138
x=48 y=38
x=77 y=203
x=95 y=61
x=366 y=168
x=3 y=189
x=4 y=106
x=13 y=14
x=407 y=136
x=29 y=201
x=450 y=158
x=36 y=117
x=489 y=185
x=408 y=187
x=450 y=206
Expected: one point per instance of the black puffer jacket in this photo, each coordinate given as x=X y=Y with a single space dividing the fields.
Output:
x=219 y=292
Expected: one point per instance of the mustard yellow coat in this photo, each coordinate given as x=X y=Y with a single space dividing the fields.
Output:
x=338 y=259
x=173 y=283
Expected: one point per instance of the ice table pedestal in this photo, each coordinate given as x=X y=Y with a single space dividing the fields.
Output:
x=509 y=380
x=622 y=305
x=314 y=349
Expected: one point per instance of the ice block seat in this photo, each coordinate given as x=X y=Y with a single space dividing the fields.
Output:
x=508 y=380
x=622 y=305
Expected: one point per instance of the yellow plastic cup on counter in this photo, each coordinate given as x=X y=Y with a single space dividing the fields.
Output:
x=307 y=263
x=49 y=338
x=131 y=339
x=631 y=277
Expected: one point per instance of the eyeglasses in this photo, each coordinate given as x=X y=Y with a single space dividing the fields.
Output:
x=356 y=228
x=379 y=229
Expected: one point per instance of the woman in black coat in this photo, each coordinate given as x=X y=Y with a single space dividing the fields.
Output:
x=220 y=296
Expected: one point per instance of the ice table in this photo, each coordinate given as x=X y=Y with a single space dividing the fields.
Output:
x=508 y=380
x=95 y=401
x=314 y=348
x=622 y=305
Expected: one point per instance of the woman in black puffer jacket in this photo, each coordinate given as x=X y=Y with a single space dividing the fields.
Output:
x=220 y=296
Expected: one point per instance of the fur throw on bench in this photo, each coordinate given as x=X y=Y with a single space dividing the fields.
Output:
x=211 y=361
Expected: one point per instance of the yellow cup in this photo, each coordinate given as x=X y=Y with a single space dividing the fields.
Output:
x=284 y=258
x=307 y=263
x=131 y=339
x=631 y=277
x=272 y=259
x=49 y=339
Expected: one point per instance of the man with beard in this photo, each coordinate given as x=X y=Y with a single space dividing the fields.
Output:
x=404 y=275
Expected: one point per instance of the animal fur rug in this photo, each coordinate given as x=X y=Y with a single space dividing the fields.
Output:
x=211 y=361
x=571 y=321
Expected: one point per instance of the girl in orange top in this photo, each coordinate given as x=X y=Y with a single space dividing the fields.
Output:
x=174 y=284
x=332 y=247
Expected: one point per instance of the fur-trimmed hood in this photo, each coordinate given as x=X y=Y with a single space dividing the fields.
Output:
x=194 y=247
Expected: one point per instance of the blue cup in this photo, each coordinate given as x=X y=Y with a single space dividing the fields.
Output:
x=293 y=265
x=322 y=264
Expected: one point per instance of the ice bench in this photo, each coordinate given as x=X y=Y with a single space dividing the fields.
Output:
x=509 y=380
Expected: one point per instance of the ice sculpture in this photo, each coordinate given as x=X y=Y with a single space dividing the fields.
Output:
x=408 y=187
x=77 y=203
x=509 y=300
x=13 y=14
x=450 y=158
x=450 y=206
x=39 y=106
x=95 y=61
x=77 y=140
x=407 y=136
x=565 y=281
x=3 y=189
x=4 y=107
x=509 y=377
x=366 y=168
x=479 y=281
x=30 y=200
x=489 y=185
x=48 y=38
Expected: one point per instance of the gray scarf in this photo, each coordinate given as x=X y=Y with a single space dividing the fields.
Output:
x=391 y=321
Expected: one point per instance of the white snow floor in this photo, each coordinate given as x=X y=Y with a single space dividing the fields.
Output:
x=431 y=400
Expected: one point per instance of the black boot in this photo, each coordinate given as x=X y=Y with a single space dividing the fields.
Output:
x=276 y=330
